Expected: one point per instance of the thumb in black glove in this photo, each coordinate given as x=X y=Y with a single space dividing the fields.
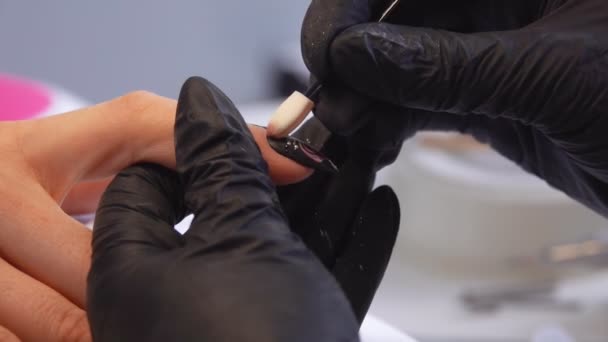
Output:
x=238 y=274
x=528 y=77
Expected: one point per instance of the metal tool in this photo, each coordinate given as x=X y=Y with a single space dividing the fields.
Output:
x=537 y=296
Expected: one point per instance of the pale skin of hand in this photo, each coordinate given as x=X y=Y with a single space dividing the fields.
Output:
x=60 y=165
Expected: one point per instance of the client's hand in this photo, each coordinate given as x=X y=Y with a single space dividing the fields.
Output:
x=238 y=274
x=45 y=253
x=66 y=161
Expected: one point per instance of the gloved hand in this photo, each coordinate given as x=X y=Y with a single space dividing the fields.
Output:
x=238 y=274
x=350 y=229
x=528 y=77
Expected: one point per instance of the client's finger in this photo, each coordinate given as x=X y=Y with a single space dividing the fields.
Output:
x=7 y=336
x=98 y=141
x=84 y=197
x=41 y=240
x=35 y=312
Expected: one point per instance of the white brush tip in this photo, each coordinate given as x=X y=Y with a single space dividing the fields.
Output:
x=289 y=115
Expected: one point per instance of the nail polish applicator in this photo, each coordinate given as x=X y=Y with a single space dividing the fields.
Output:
x=292 y=112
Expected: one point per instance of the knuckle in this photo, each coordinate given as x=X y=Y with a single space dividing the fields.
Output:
x=72 y=326
x=138 y=100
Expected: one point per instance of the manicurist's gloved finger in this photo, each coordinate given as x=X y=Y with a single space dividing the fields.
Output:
x=350 y=228
x=496 y=73
x=137 y=214
x=238 y=259
x=361 y=263
x=443 y=71
x=134 y=243
x=326 y=19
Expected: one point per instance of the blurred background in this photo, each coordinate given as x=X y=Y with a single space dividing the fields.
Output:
x=486 y=252
x=101 y=50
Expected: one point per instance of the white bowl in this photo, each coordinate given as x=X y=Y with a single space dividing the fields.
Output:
x=479 y=213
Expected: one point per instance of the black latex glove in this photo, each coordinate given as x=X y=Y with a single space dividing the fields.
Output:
x=350 y=228
x=238 y=274
x=529 y=77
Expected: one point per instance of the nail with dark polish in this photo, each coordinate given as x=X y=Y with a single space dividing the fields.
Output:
x=302 y=153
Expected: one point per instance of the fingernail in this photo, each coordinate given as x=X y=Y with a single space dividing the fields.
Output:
x=302 y=153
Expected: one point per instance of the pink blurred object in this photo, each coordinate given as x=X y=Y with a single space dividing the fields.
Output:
x=22 y=99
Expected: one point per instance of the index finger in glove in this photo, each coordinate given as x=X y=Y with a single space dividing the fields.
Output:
x=133 y=234
x=498 y=74
x=225 y=177
x=324 y=20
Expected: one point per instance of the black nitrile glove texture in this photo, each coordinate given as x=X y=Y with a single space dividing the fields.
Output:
x=528 y=77
x=351 y=228
x=238 y=274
